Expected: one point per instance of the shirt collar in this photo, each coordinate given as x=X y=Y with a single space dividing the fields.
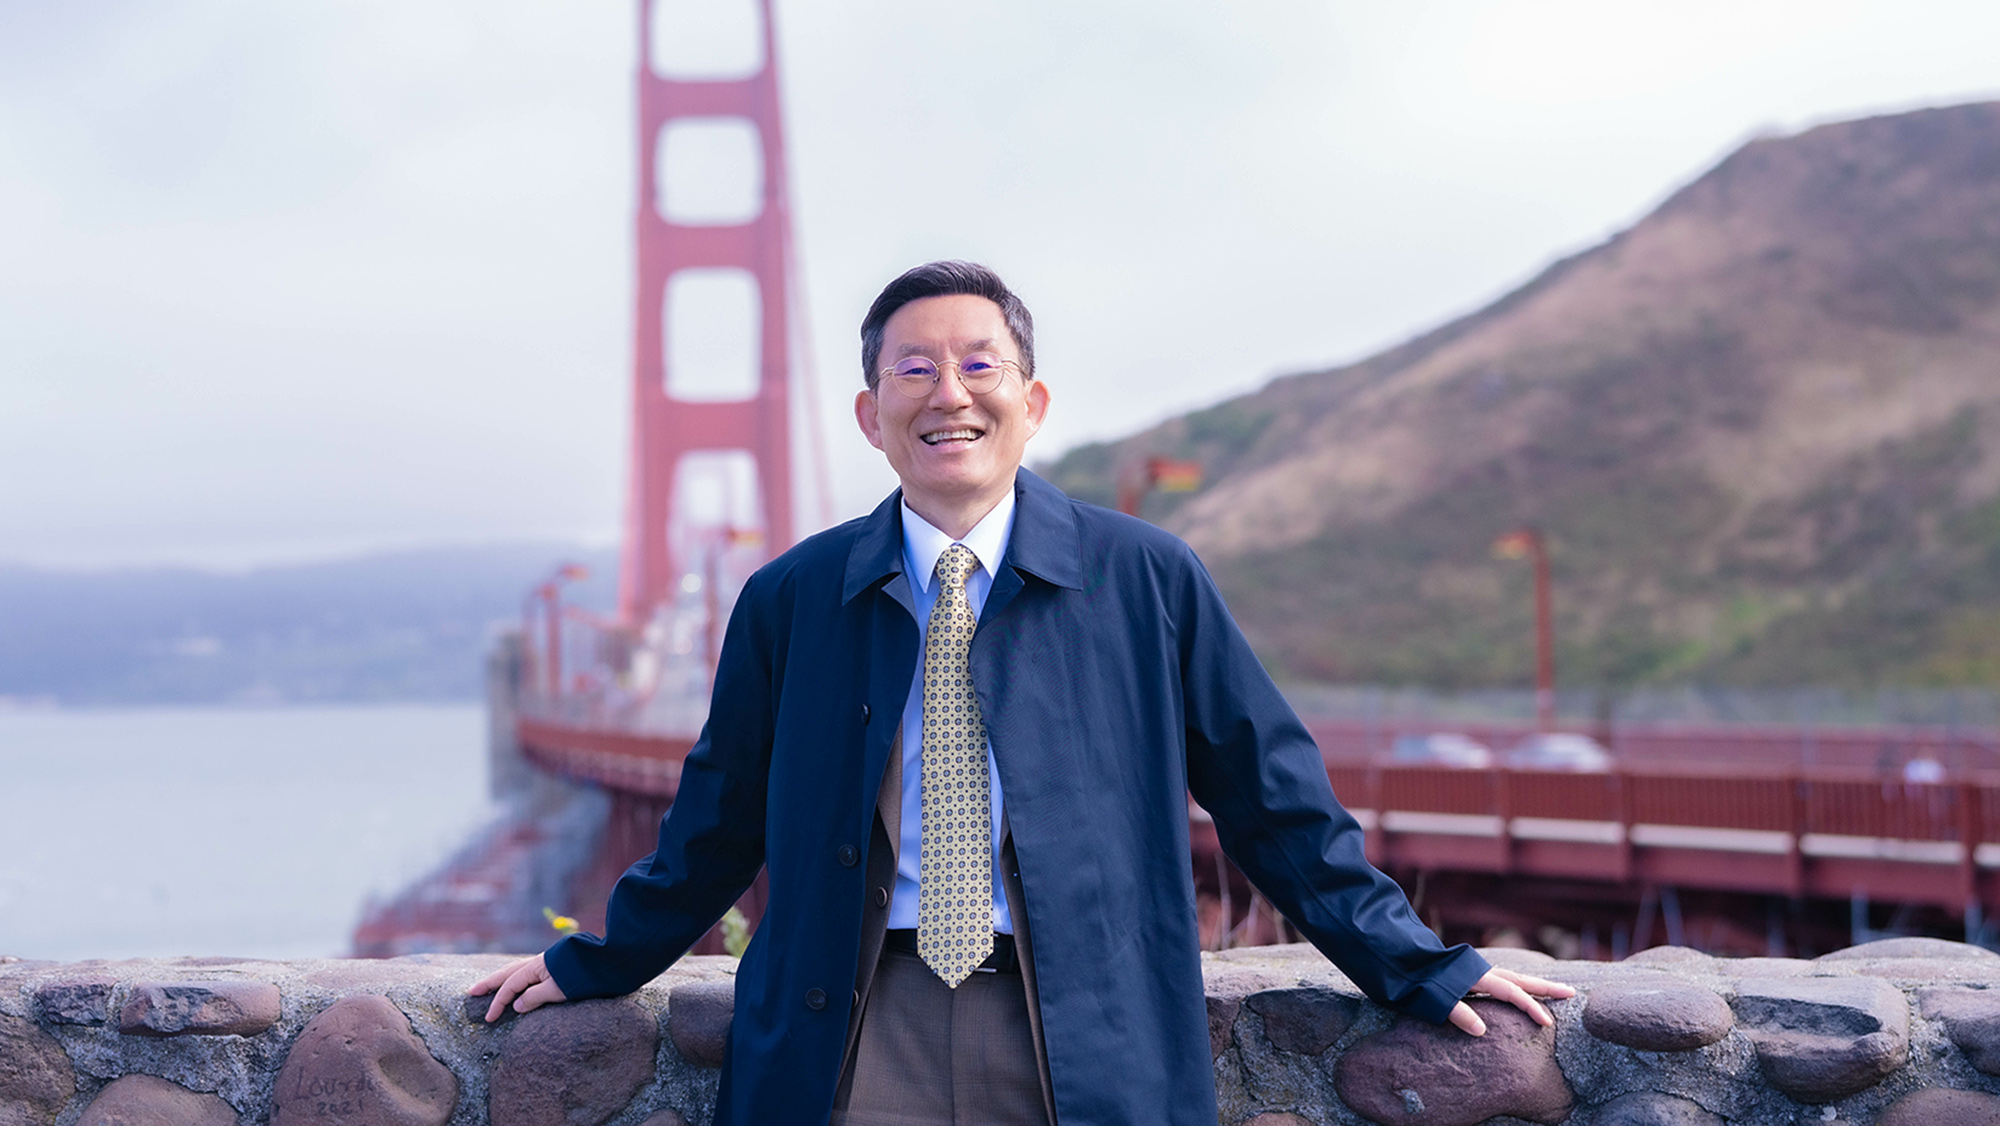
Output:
x=987 y=540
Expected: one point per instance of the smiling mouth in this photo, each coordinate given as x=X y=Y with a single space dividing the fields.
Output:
x=940 y=437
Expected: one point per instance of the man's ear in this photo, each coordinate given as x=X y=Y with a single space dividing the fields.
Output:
x=867 y=417
x=1036 y=398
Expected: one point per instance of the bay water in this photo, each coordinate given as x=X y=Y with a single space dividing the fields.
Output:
x=225 y=831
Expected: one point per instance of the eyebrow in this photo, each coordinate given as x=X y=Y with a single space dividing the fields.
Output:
x=981 y=345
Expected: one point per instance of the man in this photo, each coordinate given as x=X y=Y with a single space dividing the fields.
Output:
x=961 y=732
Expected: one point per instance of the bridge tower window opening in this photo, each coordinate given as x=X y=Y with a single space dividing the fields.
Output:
x=711 y=331
x=709 y=171
x=705 y=40
x=715 y=491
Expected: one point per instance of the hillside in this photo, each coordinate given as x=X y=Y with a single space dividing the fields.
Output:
x=1761 y=429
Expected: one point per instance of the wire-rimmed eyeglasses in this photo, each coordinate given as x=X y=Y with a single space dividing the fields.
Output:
x=979 y=373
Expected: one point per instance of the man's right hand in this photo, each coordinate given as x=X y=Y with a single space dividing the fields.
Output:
x=528 y=980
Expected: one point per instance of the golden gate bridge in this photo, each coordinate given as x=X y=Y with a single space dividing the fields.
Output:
x=1743 y=839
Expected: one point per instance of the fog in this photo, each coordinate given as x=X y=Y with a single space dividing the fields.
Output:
x=282 y=282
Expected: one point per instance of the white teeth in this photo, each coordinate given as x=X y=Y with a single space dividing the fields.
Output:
x=949 y=435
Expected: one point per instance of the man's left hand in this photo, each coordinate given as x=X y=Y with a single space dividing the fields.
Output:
x=1518 y=990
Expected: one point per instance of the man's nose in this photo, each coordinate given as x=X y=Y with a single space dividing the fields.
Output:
x=949 y=390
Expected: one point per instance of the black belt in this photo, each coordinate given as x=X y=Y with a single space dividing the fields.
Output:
x=1003 y=960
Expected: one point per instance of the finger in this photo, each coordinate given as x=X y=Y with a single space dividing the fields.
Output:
x=499 y=1005
x=1534 y=1009
x=1527 y=1004
x=524 y=976
x=489 y=983
x=543 y=992
x=1539 y=986
x=1508 y=990
x=1467 y=1020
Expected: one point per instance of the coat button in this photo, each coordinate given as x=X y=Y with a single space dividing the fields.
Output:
x=849 y=856
x=864 y=713
x=815 y=998
x=857 y=999
x=881 y=897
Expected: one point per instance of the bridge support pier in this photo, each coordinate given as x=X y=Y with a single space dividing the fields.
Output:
x=1670 y=913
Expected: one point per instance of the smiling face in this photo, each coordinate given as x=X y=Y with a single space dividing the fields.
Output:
x=954 y=451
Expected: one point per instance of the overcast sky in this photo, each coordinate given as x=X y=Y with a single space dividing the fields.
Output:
x=283 y=281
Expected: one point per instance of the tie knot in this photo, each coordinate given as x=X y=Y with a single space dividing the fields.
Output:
x=955 y=564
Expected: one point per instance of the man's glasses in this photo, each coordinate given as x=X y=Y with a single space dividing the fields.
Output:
x=979 y=373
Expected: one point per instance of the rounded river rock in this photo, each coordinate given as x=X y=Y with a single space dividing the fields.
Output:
x=77 y=1001
x=1306 y=1020
x=1657 y=1016
x=1420 y=1074
x=1971 y=1018
x=1651 y=1108
x=1942 y=1106
x=146 y=1100
x=200 y=1008
x=36 y=1078
x=698 y=1017
x=359 y=1062
x=1912 y=946
x=1822 y=1039
x=576 y=1064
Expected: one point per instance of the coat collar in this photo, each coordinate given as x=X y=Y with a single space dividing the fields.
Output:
x=878 y=549
x=1045 y=542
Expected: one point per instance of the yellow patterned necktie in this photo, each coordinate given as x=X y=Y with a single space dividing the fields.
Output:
x=955 y=892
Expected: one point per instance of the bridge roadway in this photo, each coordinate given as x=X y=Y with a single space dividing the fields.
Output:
x=1772 y=811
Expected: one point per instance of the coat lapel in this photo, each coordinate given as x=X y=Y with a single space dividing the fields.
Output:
x=878 y=551
x=1044 y=544
x=889 y=800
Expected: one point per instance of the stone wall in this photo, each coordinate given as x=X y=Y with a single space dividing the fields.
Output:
x=1904 y=1032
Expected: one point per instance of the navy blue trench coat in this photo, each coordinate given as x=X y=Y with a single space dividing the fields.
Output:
x=1113 y=683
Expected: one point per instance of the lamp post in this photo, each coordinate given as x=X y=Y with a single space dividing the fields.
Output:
x=550 y=592
x=1529 y=543
x=725 y=538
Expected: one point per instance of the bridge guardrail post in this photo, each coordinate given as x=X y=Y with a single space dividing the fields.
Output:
x=1621 y=796
x=1795 y=859
x=1971 y=829
x=1375 y=841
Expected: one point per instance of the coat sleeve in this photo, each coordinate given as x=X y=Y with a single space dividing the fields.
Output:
x=711 y=842
x=1255 y=769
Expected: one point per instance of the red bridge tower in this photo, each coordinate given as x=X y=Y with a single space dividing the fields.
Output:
x=711 y=457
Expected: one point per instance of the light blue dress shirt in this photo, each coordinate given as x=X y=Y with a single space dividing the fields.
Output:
x=922 y=544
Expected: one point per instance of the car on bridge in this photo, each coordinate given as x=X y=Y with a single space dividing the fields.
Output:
x=1444 y=748
x=1559 y=750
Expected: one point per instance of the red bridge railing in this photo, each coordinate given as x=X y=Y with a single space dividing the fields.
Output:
x=1659 y=818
